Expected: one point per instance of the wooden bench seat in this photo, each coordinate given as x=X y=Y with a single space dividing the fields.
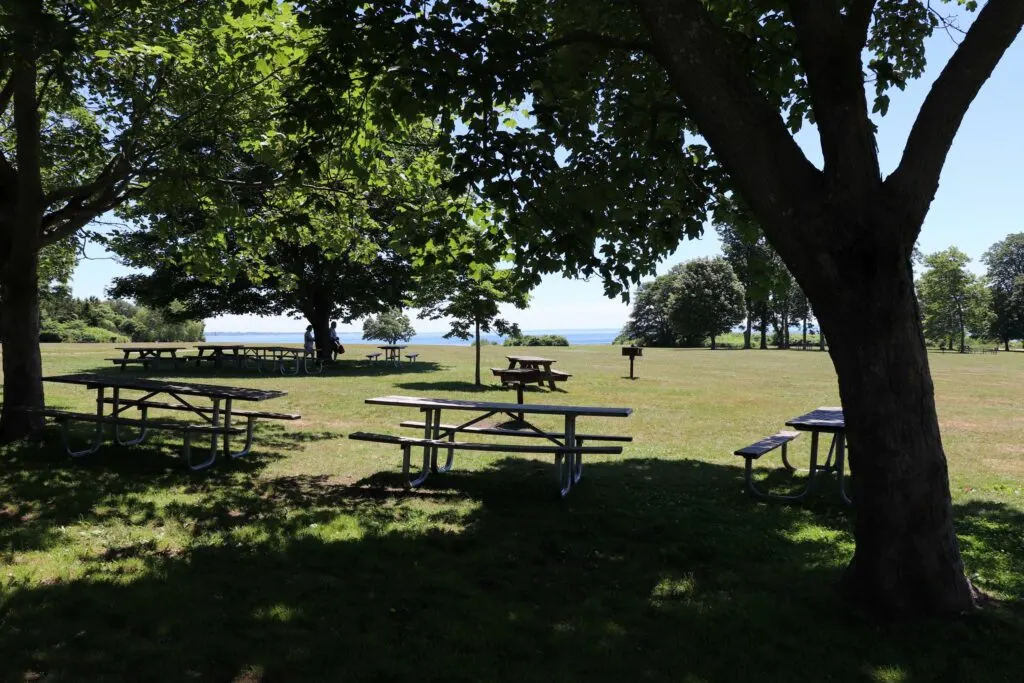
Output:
x=567 y=458
x=756 y=450
x=412 y=356
x=160 y=405
x=372 y=356
x=501 y=431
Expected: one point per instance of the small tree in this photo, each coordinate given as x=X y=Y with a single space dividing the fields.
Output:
x=709 y=300
x=391 y=326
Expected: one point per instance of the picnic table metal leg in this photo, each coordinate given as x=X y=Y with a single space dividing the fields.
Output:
x=424 y=472
x=436 y=434
x=248 y=439
x=143 y=430
x=519 y=398
x=565 y=461
x=215 y=421
x=97 y=440
x=577 y=470
x=227 y=424
x=841 y=467
x=748 y=475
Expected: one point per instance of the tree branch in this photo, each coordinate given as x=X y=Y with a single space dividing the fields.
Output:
x=835 y=78
x=596 y=39
x=858 y=19
x=916 y=179
x=744 y=129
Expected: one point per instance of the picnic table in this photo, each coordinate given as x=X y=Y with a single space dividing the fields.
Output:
x=392 y=352
x=146 y=354
x=567 y=446
x=824 y=420
x=216 y=418
x=542 y=366
x=283 y=357
x=218 y=353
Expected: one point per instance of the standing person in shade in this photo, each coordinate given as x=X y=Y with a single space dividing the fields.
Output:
x=337 y=348
x=309 y=340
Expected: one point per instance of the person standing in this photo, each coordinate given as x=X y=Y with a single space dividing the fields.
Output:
x=309 y=341
x=337 y=348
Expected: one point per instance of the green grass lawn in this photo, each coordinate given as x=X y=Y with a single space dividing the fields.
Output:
x=307 y=561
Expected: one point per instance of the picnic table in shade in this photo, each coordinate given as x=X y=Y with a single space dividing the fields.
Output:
x=287 y=359
x=216 y=417
x=567 y=445
x=147 y=354
x=825 y=420
x=218 y=353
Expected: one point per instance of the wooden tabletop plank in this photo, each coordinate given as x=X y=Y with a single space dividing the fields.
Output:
x=823 y=419
x=530 y=359
x=94 y=381
x=150 y=347
x=453 y=404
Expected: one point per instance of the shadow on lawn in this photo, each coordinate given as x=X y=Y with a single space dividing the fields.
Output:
x=651 y=570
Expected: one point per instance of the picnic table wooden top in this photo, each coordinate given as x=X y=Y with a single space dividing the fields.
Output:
x=823 y=419
x=454 y=404
x=150 y=347
x=94 y=381
x=283 y=349
x=392 y=346
x=531 y=359
x=222 y=347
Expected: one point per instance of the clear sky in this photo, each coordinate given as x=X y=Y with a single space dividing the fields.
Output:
x=978 y=204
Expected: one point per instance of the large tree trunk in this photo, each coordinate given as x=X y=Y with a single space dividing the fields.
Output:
x=320 y=318
x=764 y=328
x=907 y=558
x=22 y=364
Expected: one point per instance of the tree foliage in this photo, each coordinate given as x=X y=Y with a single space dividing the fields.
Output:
x=391 y=326
x=605 y=131
x=954 y=301
x=1005 y=261
x=708 y=301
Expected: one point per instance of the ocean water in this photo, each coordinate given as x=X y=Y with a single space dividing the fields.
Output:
x=575 y=337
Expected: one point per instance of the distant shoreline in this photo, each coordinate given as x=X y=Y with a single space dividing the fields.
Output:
x=574 y=337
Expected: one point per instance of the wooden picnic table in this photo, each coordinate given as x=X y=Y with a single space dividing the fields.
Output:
x=217 y=353
x=392 y=352
x=568 y=451
x=283 y=356
x=824 y=420
x=536 y=363
x=216 y=417
x=146 y=354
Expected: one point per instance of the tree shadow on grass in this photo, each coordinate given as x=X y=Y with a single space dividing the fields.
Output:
x=650 y=570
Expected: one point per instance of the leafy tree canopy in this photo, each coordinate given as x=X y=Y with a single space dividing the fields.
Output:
x=391 y=326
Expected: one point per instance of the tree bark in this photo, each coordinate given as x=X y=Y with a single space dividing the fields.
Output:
x=22 y=363
x=319 y=317
x=764 y=328
x=907 y=558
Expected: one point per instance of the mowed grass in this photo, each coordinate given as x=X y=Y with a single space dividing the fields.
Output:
x=308 y=562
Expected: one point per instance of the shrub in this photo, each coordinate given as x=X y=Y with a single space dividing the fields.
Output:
x=537 y=340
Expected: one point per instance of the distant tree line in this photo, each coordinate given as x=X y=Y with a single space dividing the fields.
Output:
x=704 y=298
x=69 y=319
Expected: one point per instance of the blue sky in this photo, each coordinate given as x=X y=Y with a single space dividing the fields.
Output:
x=979 y=202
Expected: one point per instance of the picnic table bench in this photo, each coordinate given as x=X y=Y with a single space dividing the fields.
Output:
x=566 y=446
x=216 y=418
x=824 y=420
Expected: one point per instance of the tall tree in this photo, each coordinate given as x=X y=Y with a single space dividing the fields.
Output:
x=751 y=257
x=707 y=302
x=100 y=103
x=606 y=174
x=953 y=300
x=649 y=323
x=1005 y=261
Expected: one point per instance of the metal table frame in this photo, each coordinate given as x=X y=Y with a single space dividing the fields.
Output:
x=569 y=467
x=823 y=420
